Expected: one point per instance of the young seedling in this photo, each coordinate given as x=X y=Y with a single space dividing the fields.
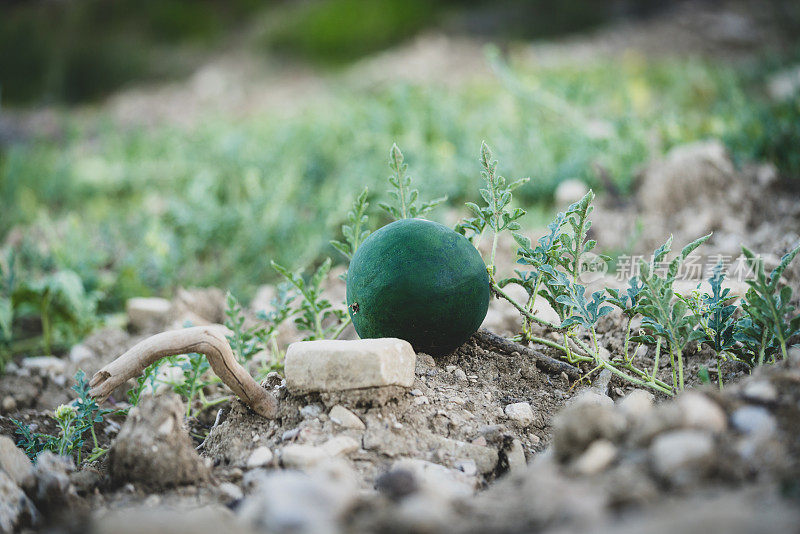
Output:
x=315 y=311
x=768 y=323
x=404 y=198
x=73 y=420
x=664 y=315
x=358 y=228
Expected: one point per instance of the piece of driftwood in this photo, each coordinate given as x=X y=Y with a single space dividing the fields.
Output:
x=542 y=360
x=207 y=340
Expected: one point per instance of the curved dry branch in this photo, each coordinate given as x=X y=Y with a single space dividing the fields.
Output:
x=208 y=340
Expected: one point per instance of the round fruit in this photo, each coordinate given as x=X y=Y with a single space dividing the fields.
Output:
x=419 y=281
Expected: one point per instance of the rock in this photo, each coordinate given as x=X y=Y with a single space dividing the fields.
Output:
x=460 y=375
x=154 y=449
x=14 y=462
x=45 y=365
x=293 y=502
x=683 y=456
x=79 y=353
x=340 y=446
x=569 y=192
x=636 y=405
x=698 y=411
x=592 y=397
x=260 y=457
x=345 y=418
x=754 y=420
x=53 y=487
x=515 y=456
x=204 y=305
x=596 y=459
x=9 y=404
x=311 y=410
x=435 y=479
x=760 y=391
x=688 y=174
x=520 y=413
x=302 y=456
x=468 y=467
x=147 y=312
x=584 y=421
x=159 y=519
x=230 y=492
x=16 y=509
x=333 y=365
x=396 y=484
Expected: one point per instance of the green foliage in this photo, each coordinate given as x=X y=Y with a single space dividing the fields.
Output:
x=74 y=421
x=358 y=230
x=316 y=314
x=664 y=315
x=341 y=30
x=769 y=322
x=64 y=308
x=404 y=198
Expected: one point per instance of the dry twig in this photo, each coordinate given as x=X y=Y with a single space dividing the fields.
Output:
x=207 y=340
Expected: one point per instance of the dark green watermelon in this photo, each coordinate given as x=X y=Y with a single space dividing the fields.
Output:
x=420 y=281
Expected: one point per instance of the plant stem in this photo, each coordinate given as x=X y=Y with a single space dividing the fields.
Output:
x=658 y=354
x=627 y=340
x=762 y=347
x=340 y=329
x=680 y=368
x=499 y=291
x=672 y=365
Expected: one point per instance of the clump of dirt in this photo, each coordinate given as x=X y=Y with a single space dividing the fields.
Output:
x=153 y=448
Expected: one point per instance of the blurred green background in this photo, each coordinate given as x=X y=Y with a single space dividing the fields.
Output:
x=97 y=208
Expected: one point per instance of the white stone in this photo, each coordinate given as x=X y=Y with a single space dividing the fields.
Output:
x=79 y=353
x=760 y=391
x=698 y=411
x=636 y=405
x=345 y=418
x=231 y=491
x=516 y=457
x=45 y=365
x=302 y=456
x=596 y=458
x=436 y=479
x=682 y=455
x=520 y=413
x=590 y=397
x=15 y=507
x=754 y=420
x=340 y=446
x=460 y=375
x=335 y=365
x=260 y=457
x=145 y=312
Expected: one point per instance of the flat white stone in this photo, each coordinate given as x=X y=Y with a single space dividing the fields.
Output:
x=345 y=418
x=339 y=365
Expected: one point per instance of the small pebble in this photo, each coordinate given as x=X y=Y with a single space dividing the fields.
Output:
x=9 y=404
x=754 y=420
x=520 y=413
x=760 y=391
x=260 y=457
x=460 y=375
